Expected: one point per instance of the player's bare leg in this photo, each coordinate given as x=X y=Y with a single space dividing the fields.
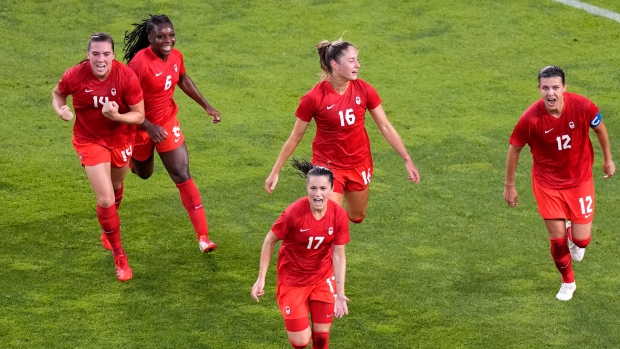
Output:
x=101 y=177
x=356 y=203
x=144 y=169
x=300 y=339
x=176 y=163
x=579 y=236
x=320 y=336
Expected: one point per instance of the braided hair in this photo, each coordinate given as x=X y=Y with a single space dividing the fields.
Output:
x=139 y=37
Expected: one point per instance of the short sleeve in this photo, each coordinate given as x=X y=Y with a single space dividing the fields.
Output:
x=519 y=136
x=182 y=68
x=65 y=83
x=133 y=94
x=343 y=235
x=307 y=108
x=372 y=97
x=281 y=226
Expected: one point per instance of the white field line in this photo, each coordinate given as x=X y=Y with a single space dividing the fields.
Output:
x=591 y=9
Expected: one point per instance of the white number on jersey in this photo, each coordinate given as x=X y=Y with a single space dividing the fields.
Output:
x=366 y=176
x=566 y=144
x=101 y=101
x=348 y=116
x=168 y=82
x=319 y=240
x=331 y=285
x=586 y=204
x=126 y=154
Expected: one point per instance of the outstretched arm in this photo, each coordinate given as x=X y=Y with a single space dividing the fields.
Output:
x=287 y=149
x=265 y=258
x=391 y=136
x=187 y=85
x=603 y=139
x=510 y=192
x=339 y=260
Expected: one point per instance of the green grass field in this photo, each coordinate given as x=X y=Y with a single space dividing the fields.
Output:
x=446 y=264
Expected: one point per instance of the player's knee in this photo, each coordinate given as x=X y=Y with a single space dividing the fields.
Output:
x=320 y=340
x=582 y=243
x=357 y=218
x=106 y=201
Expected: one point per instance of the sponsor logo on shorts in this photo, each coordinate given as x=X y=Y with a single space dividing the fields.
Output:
x=288 y=310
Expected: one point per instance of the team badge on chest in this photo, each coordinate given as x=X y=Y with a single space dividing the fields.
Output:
x=571 y=125
x=113 y=92
x=358 y=100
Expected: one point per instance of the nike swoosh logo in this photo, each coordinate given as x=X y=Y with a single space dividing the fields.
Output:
x=330 y=106
x=158 y=74
x=304 y=230
x=87 y=90
x=330 y=315
x=548 y=131
x=588 y=215
x=197 y=207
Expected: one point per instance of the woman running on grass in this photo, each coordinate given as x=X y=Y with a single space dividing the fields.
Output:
x=338 y=104
x=150 y=53
x=311 y=262
x=107 y=100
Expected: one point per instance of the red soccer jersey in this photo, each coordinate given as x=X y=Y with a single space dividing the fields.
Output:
x=561 y=147
x=89 y=94
x=305 y=256
x=158 y=80
x=341 y=141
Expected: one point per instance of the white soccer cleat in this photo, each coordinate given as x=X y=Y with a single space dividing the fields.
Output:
x=566 y=291
x=576 y=252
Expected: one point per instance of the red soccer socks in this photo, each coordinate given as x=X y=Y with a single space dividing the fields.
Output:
x=561 y=257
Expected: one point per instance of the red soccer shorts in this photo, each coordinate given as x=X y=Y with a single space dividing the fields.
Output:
x=575 y=204
x=294 y=302
x=355 y=179
x=92 y=154
x=144 y=146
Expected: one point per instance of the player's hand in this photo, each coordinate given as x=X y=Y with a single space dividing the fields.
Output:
x=214 y=113
x=510 y=195
x=65 y=113
x=609 y=168
x=156 y=133
x=270 y=182
x=110 y=110
x=412 y=171
x=341 y=308
x=258 y=289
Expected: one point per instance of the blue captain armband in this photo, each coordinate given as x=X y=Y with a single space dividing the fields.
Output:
x=597 y=120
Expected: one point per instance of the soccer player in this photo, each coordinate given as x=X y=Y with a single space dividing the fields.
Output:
x=556 y=128
x=107 y=100
x=150 y=53
x=338 y=104
x=311 y=262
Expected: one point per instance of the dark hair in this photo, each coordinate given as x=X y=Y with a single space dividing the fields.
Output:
x=139 y=37
x=307 y=170
x=550 y=72
x=331 y=51
x=100 y=37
